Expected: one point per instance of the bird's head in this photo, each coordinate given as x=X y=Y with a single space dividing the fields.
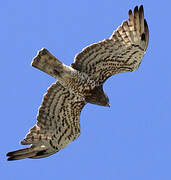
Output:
x=106 y=100
x=103 y=100
x=98 y=97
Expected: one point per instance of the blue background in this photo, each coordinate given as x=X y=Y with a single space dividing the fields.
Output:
x=130 y=140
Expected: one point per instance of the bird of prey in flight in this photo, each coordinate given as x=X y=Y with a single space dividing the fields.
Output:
x=58 y=119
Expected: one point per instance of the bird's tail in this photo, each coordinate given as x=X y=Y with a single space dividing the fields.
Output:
x=31 y=152
x=47 y=63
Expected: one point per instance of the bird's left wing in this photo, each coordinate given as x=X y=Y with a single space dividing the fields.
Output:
x=58 y=124
x=122 y=52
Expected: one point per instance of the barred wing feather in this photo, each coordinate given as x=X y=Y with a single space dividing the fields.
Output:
x=58 y=124
x=122 y=52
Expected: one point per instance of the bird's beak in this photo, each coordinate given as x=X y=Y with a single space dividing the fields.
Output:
x=108 y=105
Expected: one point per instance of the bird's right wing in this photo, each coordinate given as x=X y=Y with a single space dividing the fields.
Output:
x=58 y=124
x=122 y=52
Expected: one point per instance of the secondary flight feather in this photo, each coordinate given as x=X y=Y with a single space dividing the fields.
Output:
x=58 y=119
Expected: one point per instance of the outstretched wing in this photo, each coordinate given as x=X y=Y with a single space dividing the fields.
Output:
x=122 y=52
x=58 y=123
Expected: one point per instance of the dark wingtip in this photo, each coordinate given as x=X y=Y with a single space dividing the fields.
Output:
x=145 y=24
x=136 y=9
x=10 y=156
x=146 y=32
x=141 y=8
x=12 y=159
x=143 y=38
x=129 y=12
x=12 y=153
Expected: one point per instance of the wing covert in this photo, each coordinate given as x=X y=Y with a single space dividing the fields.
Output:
x=122 y=52
x=58 y=120
x=58 y=124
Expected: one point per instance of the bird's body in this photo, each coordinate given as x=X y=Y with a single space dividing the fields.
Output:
x=80 y=83
x=58 y=120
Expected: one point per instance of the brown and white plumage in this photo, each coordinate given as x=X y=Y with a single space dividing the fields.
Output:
x=58 y=120
x=122 y=52
x=58 y=123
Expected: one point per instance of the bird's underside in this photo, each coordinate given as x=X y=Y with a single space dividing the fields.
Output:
x=58 y=119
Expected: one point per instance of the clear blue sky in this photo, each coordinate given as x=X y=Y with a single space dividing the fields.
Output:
x=129 y=141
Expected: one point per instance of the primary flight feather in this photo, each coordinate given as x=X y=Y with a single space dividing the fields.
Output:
x=58 y=119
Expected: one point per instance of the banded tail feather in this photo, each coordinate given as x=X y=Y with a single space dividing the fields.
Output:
x=47 y=63
x=58 y=119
